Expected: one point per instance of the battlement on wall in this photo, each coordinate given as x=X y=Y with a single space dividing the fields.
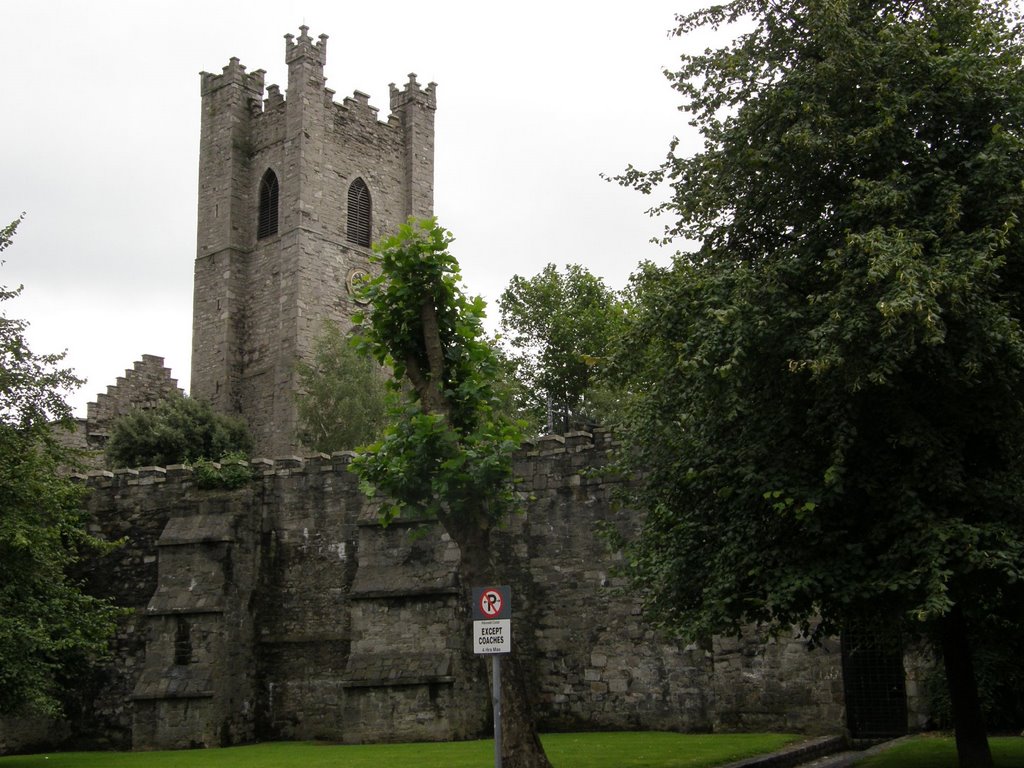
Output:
x=548 y=447
x=410 y=96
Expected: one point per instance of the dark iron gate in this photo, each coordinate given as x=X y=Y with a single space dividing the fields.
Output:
x=874 y=683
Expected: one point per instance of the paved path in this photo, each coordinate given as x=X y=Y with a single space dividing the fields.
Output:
x=838 y=760
x=823 y=752
x=844 y=759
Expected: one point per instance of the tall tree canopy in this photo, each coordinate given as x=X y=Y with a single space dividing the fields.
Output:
x=341 y=402
x=447 y=449
x=558 y=326
x=829 y=391
x=49 y=629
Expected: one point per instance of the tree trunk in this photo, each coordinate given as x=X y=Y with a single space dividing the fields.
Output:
x=971 y=740
x=521 y=747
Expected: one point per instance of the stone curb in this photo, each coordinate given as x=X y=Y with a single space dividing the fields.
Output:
x=794 y=755
x=846 y=759
x=824 y=752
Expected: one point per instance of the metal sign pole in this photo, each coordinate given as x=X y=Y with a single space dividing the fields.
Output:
x=496 y=701
x=492 y=635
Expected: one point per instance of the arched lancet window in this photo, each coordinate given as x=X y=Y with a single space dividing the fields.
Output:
x=359 y=212
x=267 y=224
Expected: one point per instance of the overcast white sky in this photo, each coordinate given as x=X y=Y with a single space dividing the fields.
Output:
x=100 y=129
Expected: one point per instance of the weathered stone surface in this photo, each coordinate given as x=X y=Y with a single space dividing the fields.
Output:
x=279 y=611
x=259 y=303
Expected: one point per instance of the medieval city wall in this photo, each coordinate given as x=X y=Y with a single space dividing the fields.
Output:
x=283 y=610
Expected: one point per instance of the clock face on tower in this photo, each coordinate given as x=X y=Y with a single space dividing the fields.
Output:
x=355 y=277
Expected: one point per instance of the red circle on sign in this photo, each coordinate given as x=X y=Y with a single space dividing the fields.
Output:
x=490 y=602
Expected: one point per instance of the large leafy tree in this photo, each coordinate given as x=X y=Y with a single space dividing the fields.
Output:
x=447 y=449
x=829 y=391
x=177 y=429
x=557 y=327
x=50 y=630
x=341 y=398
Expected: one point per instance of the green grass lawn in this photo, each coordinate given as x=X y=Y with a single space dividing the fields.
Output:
x=940 y=752
x=566 y=750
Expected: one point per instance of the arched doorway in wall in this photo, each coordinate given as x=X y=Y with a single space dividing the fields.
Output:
x=874 y=681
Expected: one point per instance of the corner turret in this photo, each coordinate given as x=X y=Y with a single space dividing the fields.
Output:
x=305 y=59
x=234 y=74
x=414 y=108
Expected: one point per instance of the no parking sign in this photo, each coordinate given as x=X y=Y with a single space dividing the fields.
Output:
x=492 y=620
x=492 y=635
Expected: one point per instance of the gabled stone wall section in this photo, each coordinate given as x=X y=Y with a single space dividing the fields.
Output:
x=144 y=385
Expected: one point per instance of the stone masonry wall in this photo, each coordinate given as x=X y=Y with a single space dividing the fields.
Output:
x=283 y=610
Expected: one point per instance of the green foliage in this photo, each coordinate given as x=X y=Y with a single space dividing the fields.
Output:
x=175 y=431
x=558 y=328
x=931 y=751
x=49 y=629
x=447 y=449
x=232 y=471
x=341 y=402
x=828 y=409
x=32 y=386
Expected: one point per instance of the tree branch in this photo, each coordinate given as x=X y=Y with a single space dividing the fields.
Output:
x=431 y=391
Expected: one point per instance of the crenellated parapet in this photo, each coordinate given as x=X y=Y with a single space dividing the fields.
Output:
x=358 y=106
x=304 y=49
x=412 y=93
x=233 y=74
x=584 y=449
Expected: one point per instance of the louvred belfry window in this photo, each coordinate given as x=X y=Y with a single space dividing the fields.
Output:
x=359 y=211
x=267 y=224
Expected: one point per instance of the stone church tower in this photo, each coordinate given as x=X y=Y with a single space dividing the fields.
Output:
x=293 y=189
